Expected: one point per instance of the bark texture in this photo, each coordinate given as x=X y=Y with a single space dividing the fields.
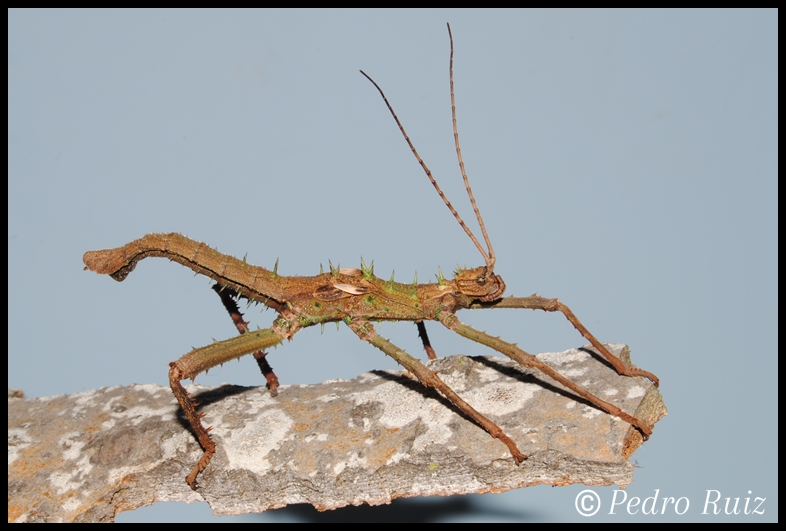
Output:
x=381 y=436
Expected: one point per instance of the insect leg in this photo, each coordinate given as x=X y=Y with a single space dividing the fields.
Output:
x=242 y=327
x=528 y=360
x=423 y=335
x=535 y=302
x=267 y=372
x=202 y=359
x=429 y=378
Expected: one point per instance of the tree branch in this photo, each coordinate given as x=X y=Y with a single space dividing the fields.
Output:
x=381 y=436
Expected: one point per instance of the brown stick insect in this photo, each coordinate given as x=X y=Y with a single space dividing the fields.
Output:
x=356 y=297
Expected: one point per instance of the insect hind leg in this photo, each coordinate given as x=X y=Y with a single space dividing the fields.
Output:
x=189 y=405
x=423 y=335
x=242 y=327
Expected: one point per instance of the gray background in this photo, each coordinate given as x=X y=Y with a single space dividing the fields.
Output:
x=625 y=162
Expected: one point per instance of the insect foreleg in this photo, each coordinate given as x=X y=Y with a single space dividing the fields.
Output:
x=429 y=378
x=202 y=359
x=535 y=302
x=528 y=360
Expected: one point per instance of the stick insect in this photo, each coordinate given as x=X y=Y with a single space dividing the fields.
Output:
x=356 y=297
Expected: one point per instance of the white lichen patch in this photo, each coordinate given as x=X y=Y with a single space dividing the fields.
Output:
x=86 y=397
x=72 y=505
x=116 y=475
x=328 y=398
x=138 y=414
x=486 y=374
x=456 y=381
x=18 y=440
x=501 y=398
x=82 y=401
x=395 y=458
x=397 y=413
x=436 y=418
x=591 y=412
x=635 y=392
x=353 y=461
x=255 y=402
x=367 y=378
x=153 y=389
x=62 y=482
x=412 y=407
x=610 y=392
x=71 y=479
x=72 y=447
x=172 y=446
x=560 y=358
x=573 y=374
x=322 y=437
x=248 y=447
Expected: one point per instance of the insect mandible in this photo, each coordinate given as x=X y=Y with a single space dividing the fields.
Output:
x=356 y=297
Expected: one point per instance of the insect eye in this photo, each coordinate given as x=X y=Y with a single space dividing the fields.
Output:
x=482 y=281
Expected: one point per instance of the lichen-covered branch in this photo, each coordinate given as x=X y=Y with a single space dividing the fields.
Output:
x=380 y=436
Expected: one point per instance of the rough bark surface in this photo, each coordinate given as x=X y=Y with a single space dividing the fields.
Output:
x=381 y=436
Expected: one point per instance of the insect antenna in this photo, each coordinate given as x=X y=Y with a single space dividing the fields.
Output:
x=489 y=256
